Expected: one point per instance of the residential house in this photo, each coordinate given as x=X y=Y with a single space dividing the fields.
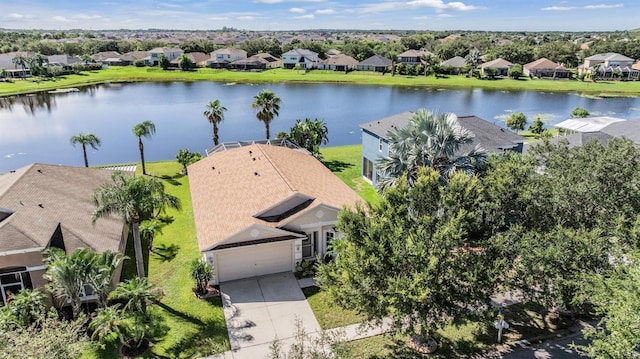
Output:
x=261 y=61
x=306 y=59
x=545 y=68
x=221 y=58
x=171 y=53
x=375 y=143
x=375 y=63
x=502 y=67
x=104 y=55
x=413 y=57
x=453 y=65
x=338 y=62
x=63 y=60
x=44 y=206
x=131 y=57
x=278 y=206
x=610 y=65
x=199 y=59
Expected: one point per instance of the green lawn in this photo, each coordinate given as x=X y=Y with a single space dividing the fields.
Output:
x=345 y=162
x=327 y=312
x=132 y=74
x=192 y=327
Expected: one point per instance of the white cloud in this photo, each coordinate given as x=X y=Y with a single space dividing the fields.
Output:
x=444 y=15
x=86 y=17
x=219 y=18
x=308 y=17
x=297 y=10
x=246 y=17
x=603 y=6
x=325 y=11
x=59 y=18
x=441 y=5
x=558 y=8
x=284 y=1
x=421 y=18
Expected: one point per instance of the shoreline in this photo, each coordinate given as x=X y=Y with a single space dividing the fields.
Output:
x=130 y=74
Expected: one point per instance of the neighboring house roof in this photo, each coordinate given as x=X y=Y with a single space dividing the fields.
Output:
x=229 y=51
x=627 y=129
x=42 y=199
x=491 y=137
x=375 y=60
x=313 y=56
x=63 y=59
x=101 y=56
x=454 y=62
x=341 y=60
x=415 y=53
x=618 y=129
x=261 y=58
x=588 y=124
x=497 y=63
x=230 y=188
x=609 y=56
x=196 y=57
x=333 y=52
x=165 y=50
x=543 y=64
x=134 y=55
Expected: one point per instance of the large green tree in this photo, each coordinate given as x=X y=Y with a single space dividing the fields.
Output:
x=267 y=107
x=310 y=135
x=517 y=121
x=85 y=139
x=215 y=115
x=431 y=139
x=144 y=129
x=414 y=257
x=135 y=198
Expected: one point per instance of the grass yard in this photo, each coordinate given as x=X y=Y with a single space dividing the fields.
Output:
x=191 y=327
x=344 y=161
x=133 y=74
x=329 y=314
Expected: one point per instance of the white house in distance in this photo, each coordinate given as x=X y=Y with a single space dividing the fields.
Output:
x=307 y=59
x=223 y=57
x=171 y=53
x=260 y=208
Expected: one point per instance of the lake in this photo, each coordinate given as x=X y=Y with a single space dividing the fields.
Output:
x=37 y=128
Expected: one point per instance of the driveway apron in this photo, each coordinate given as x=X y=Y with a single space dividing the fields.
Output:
x=262 y=309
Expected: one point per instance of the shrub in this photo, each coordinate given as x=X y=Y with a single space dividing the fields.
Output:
x=201 y=273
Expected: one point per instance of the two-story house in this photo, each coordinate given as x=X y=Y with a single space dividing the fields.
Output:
x=413 y=57
x=171 y=53
x=609 y=65
x=305 y=59
x=221 y=58
x=375 y=144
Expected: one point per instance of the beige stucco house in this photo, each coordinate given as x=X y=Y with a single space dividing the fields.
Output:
x=44 y=206
x=262 y=208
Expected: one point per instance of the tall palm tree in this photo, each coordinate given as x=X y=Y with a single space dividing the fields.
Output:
x=430 y=139
x=85 y=139
x=267 y=107
x=215 y=114
x=473 y=58
x=429 y=60
x=36 y=62
x=20 y=60
x=144 y=129
x=136 y=199
x=137 y=292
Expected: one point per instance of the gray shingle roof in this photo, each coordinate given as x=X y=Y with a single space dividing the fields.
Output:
x=41 y=197
x=375 y=60
x=491 y=137
x=611 y=56
x=454 y=62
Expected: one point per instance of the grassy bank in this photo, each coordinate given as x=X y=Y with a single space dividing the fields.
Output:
x=344 y=161
x=135 y=74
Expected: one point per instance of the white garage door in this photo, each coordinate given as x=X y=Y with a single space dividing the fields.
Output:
x=251 y=261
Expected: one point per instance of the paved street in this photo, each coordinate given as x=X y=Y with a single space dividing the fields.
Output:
x=551 y=349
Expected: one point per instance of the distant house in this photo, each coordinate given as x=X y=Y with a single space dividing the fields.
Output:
x=502 y=67
x=221 y=58
x=413 y=57
x=170 y=52
x=199 y=59
x=102 y=56
x=610 y=65
x=306 y=59
x=44 y=206
x=375 y=145
x=454 y=65
x=64 y=60
x=545 y=68
x=375 y=63
x=279 y=206
x=262 y=61
x=131 y=57
x=338 y=62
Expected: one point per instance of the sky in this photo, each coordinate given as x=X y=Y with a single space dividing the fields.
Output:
x=490 y=15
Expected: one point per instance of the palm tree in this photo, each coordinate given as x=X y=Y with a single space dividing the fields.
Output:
x=215 y=114
x=36 y=62
x=100 y=276
x=473 y=58
x=137 y=292
x=144 y=129
x=430 y=139
x=428 y=60
x=67 y=275
x=266 y=104
x=20 y=60
x=85 y=139
x=149 y=229
x=394 y=57
x=136 y=199
x=309 y=135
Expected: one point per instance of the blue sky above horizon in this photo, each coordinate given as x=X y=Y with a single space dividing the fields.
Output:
x=493 y=15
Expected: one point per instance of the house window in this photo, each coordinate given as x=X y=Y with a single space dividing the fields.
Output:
x=379 y=144
x=329 y=235
x=12 y=281
x=367 y=169
x=309 y=244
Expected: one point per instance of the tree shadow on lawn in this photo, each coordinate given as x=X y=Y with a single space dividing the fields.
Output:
x=172 y=180
x=337 y=165
x=210 y=337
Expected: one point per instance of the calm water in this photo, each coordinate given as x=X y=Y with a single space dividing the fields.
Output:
x=37 y=128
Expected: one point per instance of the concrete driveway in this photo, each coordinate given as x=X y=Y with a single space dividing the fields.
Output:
x=259 y=310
